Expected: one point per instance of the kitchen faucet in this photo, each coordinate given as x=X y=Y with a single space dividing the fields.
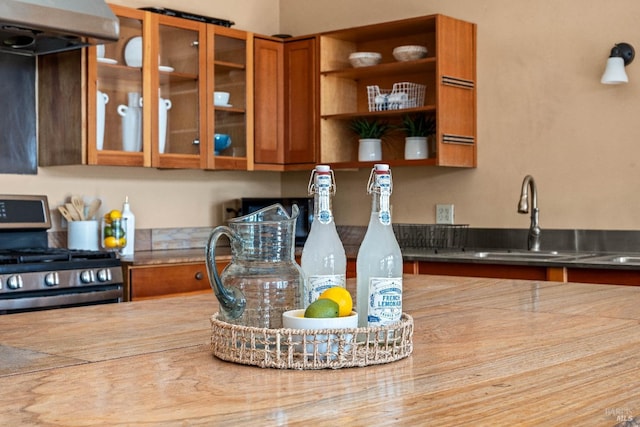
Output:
x=533 y=241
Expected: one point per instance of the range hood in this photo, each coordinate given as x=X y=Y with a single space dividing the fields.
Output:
x=37 y=27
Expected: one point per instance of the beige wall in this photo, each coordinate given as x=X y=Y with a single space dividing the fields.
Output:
x=541 y=110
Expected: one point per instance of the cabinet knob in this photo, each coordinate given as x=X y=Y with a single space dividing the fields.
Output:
x=195 y=43
x=199 y=275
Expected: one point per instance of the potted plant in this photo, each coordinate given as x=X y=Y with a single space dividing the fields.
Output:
x=417 y=129
x=370 y=133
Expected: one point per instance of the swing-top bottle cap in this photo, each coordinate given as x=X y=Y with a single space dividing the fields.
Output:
x=381 y=167
x=323 y=168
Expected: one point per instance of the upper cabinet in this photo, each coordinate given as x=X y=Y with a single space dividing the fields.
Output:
x=448 y=73
x=148 y=99
x=178 y=93
x=230 y=81
x=286 y=103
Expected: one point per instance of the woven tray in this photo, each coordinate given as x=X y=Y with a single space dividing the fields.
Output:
x=306 y=349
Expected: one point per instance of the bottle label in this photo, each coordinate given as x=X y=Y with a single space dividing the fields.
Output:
x=384 y=184
x=385 y=300
x=323 y=186
x=319 y=283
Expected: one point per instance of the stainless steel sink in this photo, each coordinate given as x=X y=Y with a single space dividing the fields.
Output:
x=515 y=255
x=617 y=259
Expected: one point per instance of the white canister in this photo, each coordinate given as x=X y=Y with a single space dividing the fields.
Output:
x=102 y=100
x=83 y=235
x=163 y=107
x=132 y=123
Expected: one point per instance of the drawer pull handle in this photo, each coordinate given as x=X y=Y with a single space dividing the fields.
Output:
x=199 y=275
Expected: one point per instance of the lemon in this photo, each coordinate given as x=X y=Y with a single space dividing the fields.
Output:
x=115 y=214
x=340 y=296
x=322 y=308
x=110 y=242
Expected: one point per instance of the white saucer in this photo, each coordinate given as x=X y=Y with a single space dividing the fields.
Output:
x=223 y=105
x=107 y=61
x=166 y=68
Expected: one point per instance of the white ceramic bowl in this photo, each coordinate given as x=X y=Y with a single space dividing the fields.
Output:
x=221 y=98
x=133 y=52
x=364 y=59
x=294 y=319
x=409 y=52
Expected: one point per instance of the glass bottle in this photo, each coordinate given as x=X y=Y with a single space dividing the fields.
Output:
x=129 y=250
x=323 y=261
x=379 y=262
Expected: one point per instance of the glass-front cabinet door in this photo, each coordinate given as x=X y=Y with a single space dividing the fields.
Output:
x=179 y=126
x=115 y=98
x=147 y=93
x=230 y=78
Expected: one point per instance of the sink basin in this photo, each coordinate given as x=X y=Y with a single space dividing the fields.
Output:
x=518 y=255
x=618 y=259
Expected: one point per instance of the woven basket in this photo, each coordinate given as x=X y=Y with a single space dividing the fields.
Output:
x=311 y=349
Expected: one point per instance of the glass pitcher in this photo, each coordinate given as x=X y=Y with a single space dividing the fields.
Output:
x=263 y=279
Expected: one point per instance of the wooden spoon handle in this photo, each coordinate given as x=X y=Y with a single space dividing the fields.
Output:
x=65 y=213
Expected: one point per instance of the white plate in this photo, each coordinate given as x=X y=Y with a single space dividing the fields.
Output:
x=107 y=61
x=133 y=52
x=166 y=68
x=223 y=105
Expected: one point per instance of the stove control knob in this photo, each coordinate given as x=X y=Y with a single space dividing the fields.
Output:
x=52 y=279
x=14 y=282
x=87 y=276
x=104 y=275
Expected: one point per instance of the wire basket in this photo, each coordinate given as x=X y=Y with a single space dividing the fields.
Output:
x=311 y=349
x=431 y=236
x=403 y=95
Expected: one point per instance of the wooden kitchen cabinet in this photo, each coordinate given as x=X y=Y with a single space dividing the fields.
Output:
x=448 y=72
x=183 y=63
x=230 y=69
x=286 y=107
x=155 y=281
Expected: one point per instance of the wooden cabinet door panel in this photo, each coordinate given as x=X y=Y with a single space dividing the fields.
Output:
x=156 y=281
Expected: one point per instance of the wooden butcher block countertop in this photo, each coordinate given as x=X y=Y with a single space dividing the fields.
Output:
x=486 y=352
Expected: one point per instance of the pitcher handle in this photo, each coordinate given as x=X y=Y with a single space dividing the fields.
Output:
x=232 y=300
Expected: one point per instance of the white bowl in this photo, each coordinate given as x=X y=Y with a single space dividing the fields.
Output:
x=409 y=52
x=294 y=319
x=221 y=98
x=133 y=52
x=364 y=59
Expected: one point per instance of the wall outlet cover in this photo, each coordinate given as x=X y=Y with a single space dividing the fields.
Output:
x=444 y=214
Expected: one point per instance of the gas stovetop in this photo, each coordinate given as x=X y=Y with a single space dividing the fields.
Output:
x=22 y=260
x=34 y=276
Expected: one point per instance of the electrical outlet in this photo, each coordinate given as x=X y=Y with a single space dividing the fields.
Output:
x=444 y=214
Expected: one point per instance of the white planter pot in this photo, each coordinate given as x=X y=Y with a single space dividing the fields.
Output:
x=369 y=150
x=415 y=147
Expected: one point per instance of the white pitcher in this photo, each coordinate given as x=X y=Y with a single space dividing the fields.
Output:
x=102 y=100
x=163 y=107
x=132 y=123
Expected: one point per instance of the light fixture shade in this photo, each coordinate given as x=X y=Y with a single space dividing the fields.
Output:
x=614 y=72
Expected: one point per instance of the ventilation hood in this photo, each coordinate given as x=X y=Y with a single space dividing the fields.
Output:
x=37 y=27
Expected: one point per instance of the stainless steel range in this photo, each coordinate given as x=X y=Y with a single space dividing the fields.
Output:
x=36 y=277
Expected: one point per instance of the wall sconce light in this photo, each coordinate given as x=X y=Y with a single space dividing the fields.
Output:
x=621 y=55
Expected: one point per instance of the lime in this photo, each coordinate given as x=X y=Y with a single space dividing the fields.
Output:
x=340 y=296
x=322 y=308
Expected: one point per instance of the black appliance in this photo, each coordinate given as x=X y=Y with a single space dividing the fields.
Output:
x=36 y=277
x=305 y=217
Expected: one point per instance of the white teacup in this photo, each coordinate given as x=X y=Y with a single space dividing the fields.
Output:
x=221 y=98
